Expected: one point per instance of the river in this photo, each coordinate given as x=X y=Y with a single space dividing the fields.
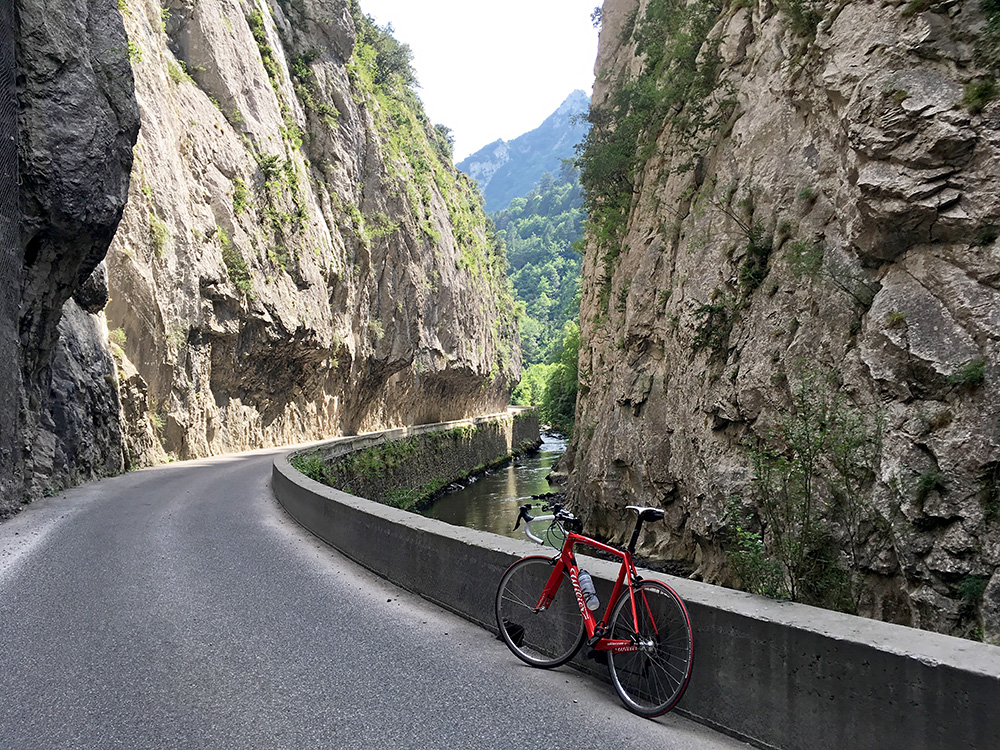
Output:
x=491 y=502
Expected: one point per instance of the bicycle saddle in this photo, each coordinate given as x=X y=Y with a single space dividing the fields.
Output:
x=646 y=513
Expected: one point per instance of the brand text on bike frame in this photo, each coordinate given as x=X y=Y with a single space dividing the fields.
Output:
x=567 y=561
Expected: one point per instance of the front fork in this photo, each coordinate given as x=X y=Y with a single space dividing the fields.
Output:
x=552 y=585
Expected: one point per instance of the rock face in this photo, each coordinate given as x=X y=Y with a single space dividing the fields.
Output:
x=10 y=264
x=298 y=258
x=834 y=212
x=77 y=123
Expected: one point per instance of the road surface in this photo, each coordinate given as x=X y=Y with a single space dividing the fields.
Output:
x=179 y=607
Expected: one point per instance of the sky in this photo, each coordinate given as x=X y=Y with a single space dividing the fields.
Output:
x=492 y=69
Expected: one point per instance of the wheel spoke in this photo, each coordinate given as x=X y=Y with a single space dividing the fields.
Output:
x=543 y=638
x=651 y=681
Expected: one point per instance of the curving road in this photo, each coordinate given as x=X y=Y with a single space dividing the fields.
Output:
x=178 y=607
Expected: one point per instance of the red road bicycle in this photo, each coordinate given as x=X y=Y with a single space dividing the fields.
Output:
x=542 y=616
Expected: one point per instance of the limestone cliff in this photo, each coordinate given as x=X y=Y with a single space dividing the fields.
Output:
x=77 y=121
x=298 y=258
x=815 y=198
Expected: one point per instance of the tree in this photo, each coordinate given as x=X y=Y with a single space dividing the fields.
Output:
x=540 y=231
x=393 y=59
x=559 y=401
x=811 y=490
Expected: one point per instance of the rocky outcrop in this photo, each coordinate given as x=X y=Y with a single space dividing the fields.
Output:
x=486 y=162
x=825 y=206
x=10 y=265
x=298 y=258
x=77 y=123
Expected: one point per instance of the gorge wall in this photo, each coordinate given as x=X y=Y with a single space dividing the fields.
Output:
x=76 y=123
x=10 y=252
x=296 y=258
x=811 y=210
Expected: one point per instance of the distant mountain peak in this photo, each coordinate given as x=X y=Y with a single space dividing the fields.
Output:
x=483 y=164
x=506 y=170
x=576 y=103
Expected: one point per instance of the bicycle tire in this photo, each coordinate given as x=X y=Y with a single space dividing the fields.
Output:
x=546 y=638
x=652 y=680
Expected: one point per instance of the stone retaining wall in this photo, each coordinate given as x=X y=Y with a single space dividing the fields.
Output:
x=410 y=470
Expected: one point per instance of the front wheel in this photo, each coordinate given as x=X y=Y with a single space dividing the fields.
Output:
x=652 y=679
x=543 y=638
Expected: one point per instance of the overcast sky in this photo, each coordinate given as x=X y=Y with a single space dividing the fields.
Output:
x=490 y=69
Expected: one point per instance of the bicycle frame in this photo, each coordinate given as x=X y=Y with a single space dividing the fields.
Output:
x=649 y=655
x=626 y=575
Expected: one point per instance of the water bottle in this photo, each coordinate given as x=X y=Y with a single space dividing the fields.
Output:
x=587 y=587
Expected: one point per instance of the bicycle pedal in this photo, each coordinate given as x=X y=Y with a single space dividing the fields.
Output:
x=598 y=634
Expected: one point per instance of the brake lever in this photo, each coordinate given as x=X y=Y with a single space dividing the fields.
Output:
x=523 y=513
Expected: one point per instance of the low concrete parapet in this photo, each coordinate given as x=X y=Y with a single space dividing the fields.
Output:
x=777 y=674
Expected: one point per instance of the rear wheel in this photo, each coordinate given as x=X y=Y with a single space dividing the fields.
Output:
x=542 y=638
x=651 y=680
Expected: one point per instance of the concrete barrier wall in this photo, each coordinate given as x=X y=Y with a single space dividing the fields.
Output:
x=435 y=456
x=775 y=673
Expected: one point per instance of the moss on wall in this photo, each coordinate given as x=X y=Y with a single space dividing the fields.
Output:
x=409 y=473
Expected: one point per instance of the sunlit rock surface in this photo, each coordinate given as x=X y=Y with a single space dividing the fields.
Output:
x=297 y=259
x=284 y=271
x=856 y=154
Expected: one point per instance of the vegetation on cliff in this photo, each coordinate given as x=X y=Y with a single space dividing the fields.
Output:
x=542 y=232
x=988 y=48
x=419 y=159
x=674 y=88
x=768 y=186
x=811 y=477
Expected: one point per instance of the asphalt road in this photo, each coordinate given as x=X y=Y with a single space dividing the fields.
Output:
x=179 y=607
